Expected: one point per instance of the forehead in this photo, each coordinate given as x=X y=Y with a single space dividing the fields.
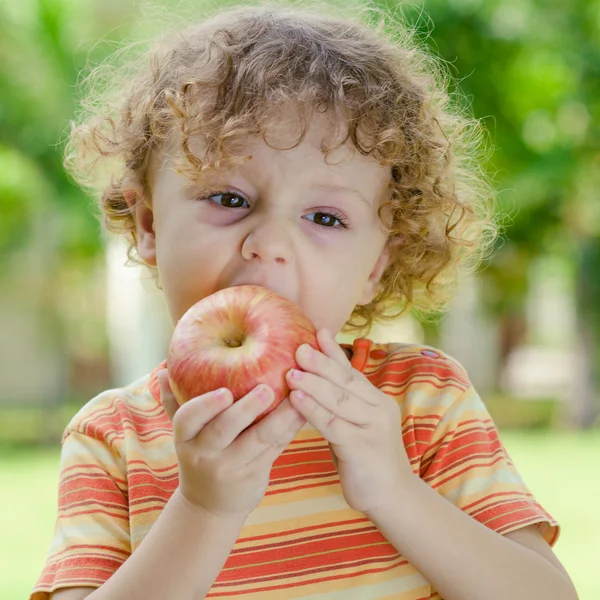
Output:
x=278 y=151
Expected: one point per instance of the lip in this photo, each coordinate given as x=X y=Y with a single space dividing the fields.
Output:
x=261 y=283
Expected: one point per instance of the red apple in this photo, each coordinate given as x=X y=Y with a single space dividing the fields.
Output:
x=237 y=338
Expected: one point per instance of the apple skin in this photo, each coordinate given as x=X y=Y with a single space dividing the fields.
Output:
x=237 y=338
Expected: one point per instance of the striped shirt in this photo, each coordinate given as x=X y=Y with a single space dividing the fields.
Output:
x=119 y=469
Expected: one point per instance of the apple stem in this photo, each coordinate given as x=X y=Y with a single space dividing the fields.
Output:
x=232 y=343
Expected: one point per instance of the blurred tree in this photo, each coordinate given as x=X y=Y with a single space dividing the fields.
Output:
x=529 y=68
x=48 y=231
x=43 y=46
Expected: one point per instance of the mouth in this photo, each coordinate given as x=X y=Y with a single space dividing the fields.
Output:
x=266 y=286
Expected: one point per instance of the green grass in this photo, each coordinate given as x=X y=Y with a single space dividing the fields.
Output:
x=27 y=511
x=559 y=468
x=562 y=471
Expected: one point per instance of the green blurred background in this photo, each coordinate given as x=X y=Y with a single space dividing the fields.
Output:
x=74 y=320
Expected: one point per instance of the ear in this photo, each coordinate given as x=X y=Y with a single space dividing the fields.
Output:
x=141 y=209
x=371 y=286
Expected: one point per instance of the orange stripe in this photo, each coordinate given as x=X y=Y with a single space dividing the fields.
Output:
x=286 y=532
x=302 y=540
x=304 y=572
x=326 y=550
x=312 y=582
x=462 y=472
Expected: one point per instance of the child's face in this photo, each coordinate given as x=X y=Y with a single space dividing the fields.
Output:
x=276 y=221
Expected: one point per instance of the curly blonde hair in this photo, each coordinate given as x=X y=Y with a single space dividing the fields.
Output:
x=222 y=80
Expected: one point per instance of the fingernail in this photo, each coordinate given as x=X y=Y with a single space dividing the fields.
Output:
x=307 y=350
x=295 y=374
x=222 y=393
x=300 y=395
x=264 y=394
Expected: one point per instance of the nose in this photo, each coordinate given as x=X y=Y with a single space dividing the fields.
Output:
x=270 y=242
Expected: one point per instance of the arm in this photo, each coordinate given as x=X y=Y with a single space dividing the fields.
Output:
x=179 y=558
x=224 y=460
x=76 y=593
x=465 y=560
x=377 y=441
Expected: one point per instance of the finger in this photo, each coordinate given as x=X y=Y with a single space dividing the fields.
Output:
x=339 y=371
x=272 y=434
x=193 y=416
x=167 y=397
x=333 y=428
x=331 y=348
x=339 y=401
x=222 y=431
x=272 y=452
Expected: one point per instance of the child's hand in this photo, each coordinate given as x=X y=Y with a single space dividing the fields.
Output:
x=360 y=422
x=222 y=470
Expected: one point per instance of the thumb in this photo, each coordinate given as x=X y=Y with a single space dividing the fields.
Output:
x=167 y=398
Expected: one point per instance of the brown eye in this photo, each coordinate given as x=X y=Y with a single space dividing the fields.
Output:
x=325 y=219
x=329 y=220
x=229 y=200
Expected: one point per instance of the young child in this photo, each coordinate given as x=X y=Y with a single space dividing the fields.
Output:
x=317 y=157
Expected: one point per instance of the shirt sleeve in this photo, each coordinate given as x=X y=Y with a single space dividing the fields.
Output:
x=91 y=536
x=467 y=464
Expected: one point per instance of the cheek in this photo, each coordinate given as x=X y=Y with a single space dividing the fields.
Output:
x=182 y=242
x=187 y=272
x=331 y=300
x=357 y=265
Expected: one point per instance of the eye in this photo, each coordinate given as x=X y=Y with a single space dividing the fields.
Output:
x=228 y=200
x=328 y=219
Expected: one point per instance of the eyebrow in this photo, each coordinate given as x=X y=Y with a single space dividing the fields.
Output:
x=343 y=188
